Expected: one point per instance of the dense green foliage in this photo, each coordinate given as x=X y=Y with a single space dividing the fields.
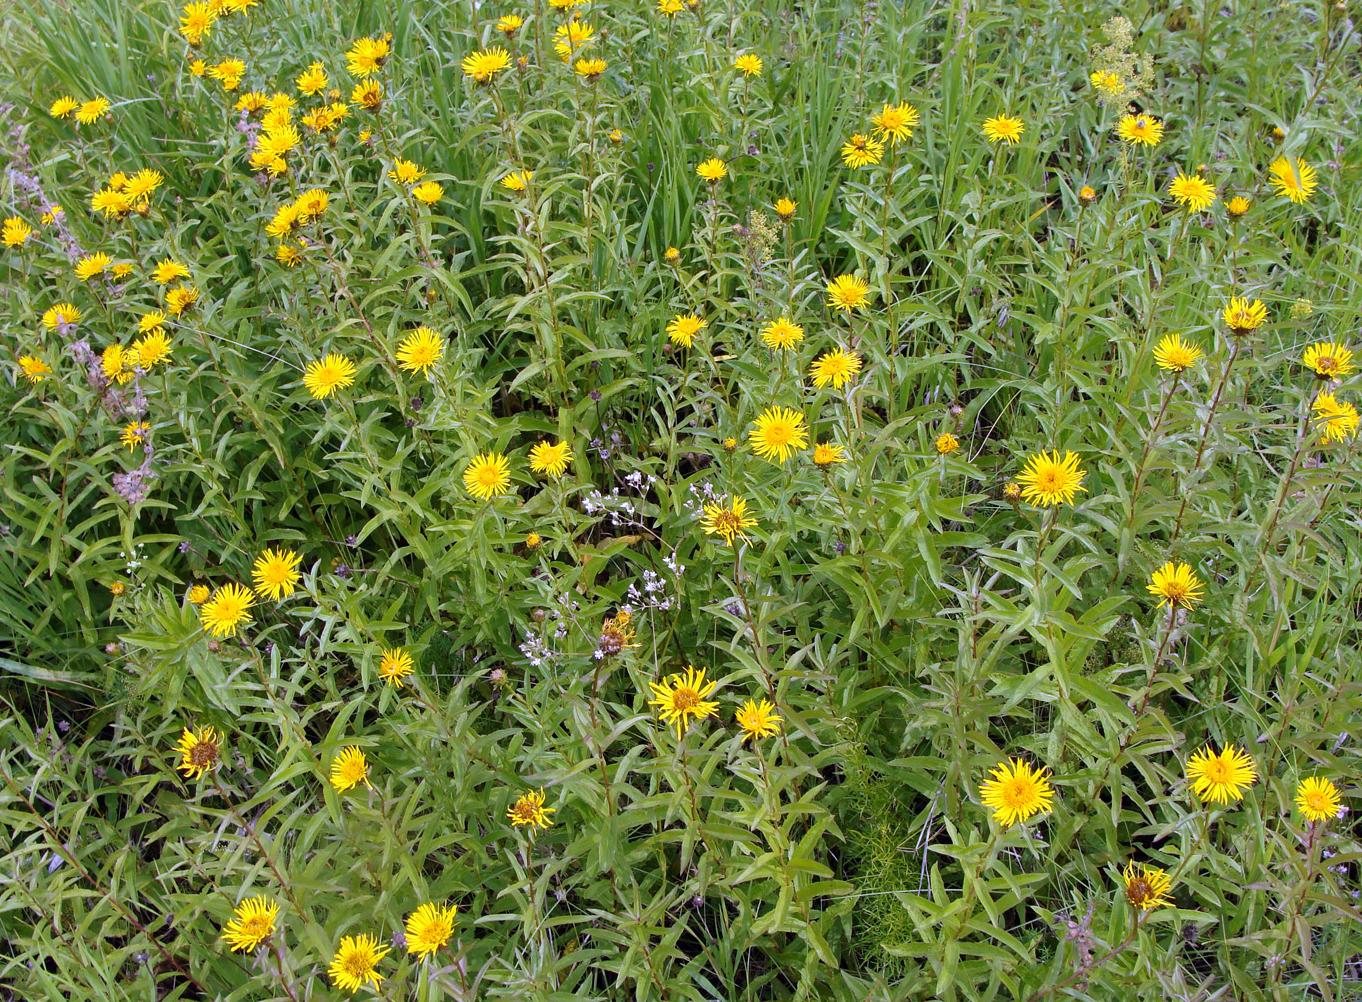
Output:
x=913 y=625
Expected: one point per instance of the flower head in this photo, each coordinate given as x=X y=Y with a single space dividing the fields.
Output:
x=252 y=923
x=332 y=373
x=895 y=122
x=1335 y=419
x=429 y=928
x=589 y=70
x=367 y=56
x=35 y=370
x=1172 y=354
x=681 y=698
x=1004 y=129
x=758 y=719
x=848 y=292
x=1317 y=799
x=91 y=265
x=368 y=94
x=394 y=665
x=529 y=811
x=782 y=334
x=276 y=573
x=134 y=434
x=488 y=475
x=728 y=522
x=420 y=350
x=428 y=192
x=827 y=454
x=1147 y=887
x=835 y=368
x=356 y=963
x=61 y=315
x=200 y=752
x=509 y=24
x=1140 y=130
x=712 y=170
x=15 y=232
x=748 y=64
x=862 y=151
x=1328 y=360
x=406 y=172
x=1296 y=182
x=1237 y=206
x=63 y=107
x=571 y=36
x=1175 y=585
x=550 y=459
x=1107 y=83
x=1219 y=777
x=1015 y=791
x=1193 y=192
x=92 y=111
x=517 y=180
x=349 y=769
x=484 y=65
x=181 y=298
x=778 y=433
x=785 y=208
x=1048 y=479
x=1242 y=316
x=167 y=271
x=683 y=327
x=946 y=443
x=227 y=610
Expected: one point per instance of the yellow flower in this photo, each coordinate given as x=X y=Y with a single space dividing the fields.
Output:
x=946 y=443
x=312 y=80
x=517 y=180
x=550 y=459
x=1242 y=316
x=311 y=204
x=1015 y=792
x=712 y=170
x=167 y=271
x=198 y=594
x=394 y=665
x=200 y=751
x=758 y=720
x=828 y=453
x=53 y=213
x=324 y=377
x=671 y=255
x=117 y=364
x=368 y=94
x=1237 y=206
x=35 y=370
x=782 y=334
x=1050 y=480
x=570 y=37
x=749 y=64
x=589 y=69
x=196 y=20
x=1192 y=191
x=1140 y=130
x=134 y=434
x=92 y=111
x=367 y=56
x=679 y=699
x=1328 y=360
x=1219 y=777
x=1296 y=182
x=529 y=811
x=276 y=573
x=835 y=368
x=349 y=769
x=1172 y=354
x=1087 y=194
x=227 y=611
x=1147 y=887
x=15 y=232
x=683 y=328
x=670 y=8
x=1336 y=419
x=1003 y=129
x=509 y=24
x=778 y=433
x=229 y=72
x=483 y=66
x=181 y=298
x=91 y=265
x=420 y=350
x=61 y=314
x=406 y=172
x=616 y=136
x=63 y=107
x=731 y=522
x=533 y=541
x=356 y=962
x=251 y=924
x=895 y=122
x=785 y=209
x=429 y=192
x=1175 y=585
x=1317 y=799
x=848 y=292
x=1106 y=82
x=488 y=475
x=198 y=67
x=289 y=255
x=430 y=927
x=862 y=151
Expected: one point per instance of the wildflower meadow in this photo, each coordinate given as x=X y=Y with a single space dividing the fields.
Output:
x=833 y=500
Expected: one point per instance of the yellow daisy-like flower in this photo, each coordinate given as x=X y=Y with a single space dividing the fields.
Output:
x=749 y=64
x=63 y=107
x=946 y=443
x=570 y=37
x=92 y=111
x=1048 y=479
x=394 y=665
x=276 y=573
x=1014 y=792
x=1087 y=194
x=1192 y=191
x=550 y=459
x=1335 y=419
x=1147 y=887
x=670 y=8
x=1296 y=182
x=196 y=20
x=529 y=811
x=15 y=232
x=785 y=208
x=349 y=769
x=198 y=67
x=712 y=170
x=781 y=334
x=312 y=80
x=227 y=611
x=828 y=454
x=1219 y=777
x=672 y=256
x=311 y=204
x=252 y=923
x=895 y=122
x=91 y=265
x=488 y=475
x=848 y=292
x=1004 y=129
x=429 y=928
x=420 y=350
x=134 y=434
x=35 y=370
x=590 y=70
x=181 y=298
x=118 y=365
x=730 y=523
x=683 y=328
x=1237 y=206
x=406 y=172
x=367 y=56
x=167 y=271
x=289 y=255
x=1328 y=360
x=484 y=65
x=862 y=151
x=428 y=192
x=61 y=314
x=368 y=94
x=1242 y=316
x=1172 y=354
x=1317 y=799
x=679 y=699
x=778 y=433
x=758 y=720
x=1107 y=83
x=517 y=180
x=152 y=321
x=835 y=368
x=200 y=752
x=1175 y=585
x=323 y=378
x=1140 y=130
x=198 y=594
x=356 y=963
x=509 y=24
